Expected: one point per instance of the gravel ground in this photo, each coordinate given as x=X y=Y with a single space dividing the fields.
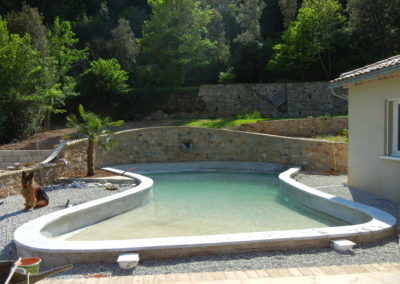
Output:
x=13 y=216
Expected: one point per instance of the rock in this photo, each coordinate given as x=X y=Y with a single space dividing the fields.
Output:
x=103 y=181
x=18 y=166
x=111 y=187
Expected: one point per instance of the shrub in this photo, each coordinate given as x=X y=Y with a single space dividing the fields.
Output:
x=227 y=77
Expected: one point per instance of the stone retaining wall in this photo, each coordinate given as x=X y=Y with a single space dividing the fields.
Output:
x=179 y=144
x=9 y=157
x=309 y=127
x=302 y=99
x=74 y=152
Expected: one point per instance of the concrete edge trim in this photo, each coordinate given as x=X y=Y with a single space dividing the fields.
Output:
x=30 y=240
x=380 y=220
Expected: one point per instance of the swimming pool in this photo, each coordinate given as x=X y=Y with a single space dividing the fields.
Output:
x=40 y=237
x=209 y=203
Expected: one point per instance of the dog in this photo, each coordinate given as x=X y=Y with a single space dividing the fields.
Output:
x=33 y=194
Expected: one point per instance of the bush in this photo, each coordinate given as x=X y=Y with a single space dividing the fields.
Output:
x=254 y=115
x=227 y=77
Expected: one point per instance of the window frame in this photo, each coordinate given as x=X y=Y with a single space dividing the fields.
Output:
x=393 y=128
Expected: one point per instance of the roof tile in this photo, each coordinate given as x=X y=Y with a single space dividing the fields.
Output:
x=377 y=66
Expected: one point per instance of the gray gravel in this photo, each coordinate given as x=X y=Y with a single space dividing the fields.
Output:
x=12 y=216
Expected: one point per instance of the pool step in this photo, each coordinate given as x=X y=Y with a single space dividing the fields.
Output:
x=343 y=245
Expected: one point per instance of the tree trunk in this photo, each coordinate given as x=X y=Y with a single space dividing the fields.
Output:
x=91 y=156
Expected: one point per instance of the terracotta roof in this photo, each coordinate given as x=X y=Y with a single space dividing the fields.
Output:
x=369 y=71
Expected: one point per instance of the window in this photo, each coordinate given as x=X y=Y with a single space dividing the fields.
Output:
x=393 y=128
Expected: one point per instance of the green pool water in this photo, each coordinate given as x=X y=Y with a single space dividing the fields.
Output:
x=207 y=203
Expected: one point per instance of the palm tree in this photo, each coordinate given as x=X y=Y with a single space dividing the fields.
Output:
x=93 y=127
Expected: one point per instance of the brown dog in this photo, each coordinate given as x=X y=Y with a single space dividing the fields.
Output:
x=33 y=194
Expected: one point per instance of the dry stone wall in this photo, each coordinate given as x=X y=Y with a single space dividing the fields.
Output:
x=180 y=144
x=213 y=101
x=74 y=152
x=9 y=157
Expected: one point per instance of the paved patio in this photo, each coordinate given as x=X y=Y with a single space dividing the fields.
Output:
x=383 y=273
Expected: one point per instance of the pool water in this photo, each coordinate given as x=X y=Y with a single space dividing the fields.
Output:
x=208 y=203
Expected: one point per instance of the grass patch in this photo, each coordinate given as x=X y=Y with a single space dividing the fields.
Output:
x=234 y=121
x=332 y=138
x=221 y=122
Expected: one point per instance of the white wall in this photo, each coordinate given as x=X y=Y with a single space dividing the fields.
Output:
x=367 y=170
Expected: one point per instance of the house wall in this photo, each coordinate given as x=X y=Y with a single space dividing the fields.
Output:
x=367 y=120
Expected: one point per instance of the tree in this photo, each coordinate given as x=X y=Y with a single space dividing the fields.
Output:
x=176 y=37
x=247 y=15
x=247 y=54
x=376 y=24
x=30 y=21
x=103 y=80
x=24 y=85
x=319 y=31
x=217 y=34
x=93 y=127
x=62 y=42
x=124 y=46
x=289 y=10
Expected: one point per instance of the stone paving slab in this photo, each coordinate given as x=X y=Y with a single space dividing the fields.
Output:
x=384 y=273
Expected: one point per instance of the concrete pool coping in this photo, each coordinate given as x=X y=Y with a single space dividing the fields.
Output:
x=30 y=239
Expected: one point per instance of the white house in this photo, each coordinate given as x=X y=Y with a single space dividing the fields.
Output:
x=374 y=127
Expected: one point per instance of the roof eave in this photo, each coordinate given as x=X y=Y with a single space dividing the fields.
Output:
x=368 y=76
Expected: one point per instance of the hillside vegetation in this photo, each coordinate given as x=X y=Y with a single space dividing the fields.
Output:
x=58 y=54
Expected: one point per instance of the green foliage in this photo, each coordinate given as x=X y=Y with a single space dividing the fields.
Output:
x=254 y=115
x=216 y=33
x=227 y=77
x=320 y=29
x=64 y=56
x=104 y=76
x=103 y=83
x=30 y=21
x=376 y=24
x=24 y=85
x=93 y=126
x=175 y=37
x=124 y=46
x=223 y=122
x=345 y=132
x=247 y=15
x=289 y=11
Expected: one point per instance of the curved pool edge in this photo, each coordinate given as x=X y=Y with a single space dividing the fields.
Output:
x=370 y=223
x=31 y=242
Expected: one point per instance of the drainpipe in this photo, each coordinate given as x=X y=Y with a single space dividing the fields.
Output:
x=343 y=97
